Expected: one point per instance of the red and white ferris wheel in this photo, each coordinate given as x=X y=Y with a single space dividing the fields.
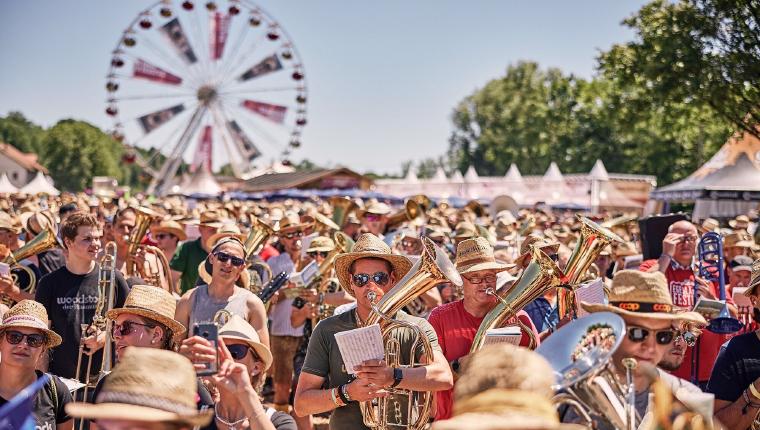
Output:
x=186 y=74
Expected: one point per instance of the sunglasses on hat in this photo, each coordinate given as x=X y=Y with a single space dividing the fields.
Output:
x=34 y=340
x=224 y=257
x=640 y=334
x=379 y=278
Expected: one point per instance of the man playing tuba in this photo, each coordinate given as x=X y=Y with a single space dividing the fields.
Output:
x=369 y=268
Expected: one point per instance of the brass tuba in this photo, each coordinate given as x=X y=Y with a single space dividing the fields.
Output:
x=540 y=276
x=433 y=268
x=324 y=225
x=593 y=239
x=152 y=275
x=258 y=236
x=342 y=206
x=23 y=276
x=409 y=212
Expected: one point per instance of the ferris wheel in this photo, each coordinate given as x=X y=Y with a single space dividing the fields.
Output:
x=184 y=75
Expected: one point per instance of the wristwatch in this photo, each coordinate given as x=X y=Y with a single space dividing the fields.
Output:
x=398 y=376
x=455 y=365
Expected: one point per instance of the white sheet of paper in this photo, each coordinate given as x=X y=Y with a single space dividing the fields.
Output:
x=739 y=298
x=360 y=344
x=590 y=292
x=510 y=334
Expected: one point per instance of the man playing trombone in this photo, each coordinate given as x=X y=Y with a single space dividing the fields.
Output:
x=370 y=269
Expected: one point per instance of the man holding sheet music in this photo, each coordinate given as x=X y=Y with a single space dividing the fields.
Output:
x=370 y=267
x=456 y=323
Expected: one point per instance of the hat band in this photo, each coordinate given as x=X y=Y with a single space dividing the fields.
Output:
x=143 y=308
x=35 y=322
x=476 y=260
x=665 y=308
x=152 y=402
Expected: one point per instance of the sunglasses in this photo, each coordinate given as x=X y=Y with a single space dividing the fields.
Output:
x=239 y=351
x=372 y=217
x=379 y=278
x=162 y=236
x=35 y=340
x=314 y=254
x=224 y=257
x=490 y=278
x=292 y=234
x=662 y=337
x=127 y=327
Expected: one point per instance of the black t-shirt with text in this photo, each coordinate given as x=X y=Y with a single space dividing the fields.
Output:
x=49 y=404
x=737 y=366
x=51 y=260
x=70 y=301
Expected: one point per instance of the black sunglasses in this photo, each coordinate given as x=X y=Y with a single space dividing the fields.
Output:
x=490 y=278
x=239 y=351
x=292 y=234
x=161 y=236
x=379 y=278
x=127 y=327
x=662 y=337
x=224 y=257
x=314 y=254
x=34 y=340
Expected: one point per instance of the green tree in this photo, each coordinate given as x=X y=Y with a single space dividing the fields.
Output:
x=18 y=131
x=75 y=151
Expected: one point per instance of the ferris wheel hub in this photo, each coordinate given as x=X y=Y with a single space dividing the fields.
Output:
x=207 y=94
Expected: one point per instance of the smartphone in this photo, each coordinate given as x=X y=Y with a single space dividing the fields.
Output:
x=210 y=332
x=5 y=269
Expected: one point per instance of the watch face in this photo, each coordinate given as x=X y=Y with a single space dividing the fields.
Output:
x=398 y=374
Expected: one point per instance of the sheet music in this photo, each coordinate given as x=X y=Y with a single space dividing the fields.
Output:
x=510 y=334
x=358 y=345
x=590 y=292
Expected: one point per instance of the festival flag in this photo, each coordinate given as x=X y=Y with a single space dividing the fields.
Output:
x=202 y=157
x=17 y=413
x=220 y=26
x=145 y=70
x=269 y=111
x=267 y=65
x=156 y=119
x=173 y=31
x=244 y=143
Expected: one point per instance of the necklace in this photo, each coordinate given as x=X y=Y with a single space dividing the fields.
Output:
x=359 y=322
x=232 y=425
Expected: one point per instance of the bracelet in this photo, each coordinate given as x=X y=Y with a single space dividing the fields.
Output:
x=753 y=390
x=343 y=393
x=333 y=398
x=748 y=402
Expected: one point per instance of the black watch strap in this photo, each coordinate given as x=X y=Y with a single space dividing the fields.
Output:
x=398 y=376
x=455 y=365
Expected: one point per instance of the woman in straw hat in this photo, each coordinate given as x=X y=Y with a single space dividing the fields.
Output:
x=505 y=387
x=369 y=267
x=150 y=389
x=168 y=234
x=239 y=404
x=24 y=340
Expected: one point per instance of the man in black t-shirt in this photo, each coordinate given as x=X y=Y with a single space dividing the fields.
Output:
x=70 y=295
x=735 y=378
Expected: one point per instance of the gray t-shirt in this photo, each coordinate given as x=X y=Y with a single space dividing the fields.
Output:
x=323 y=359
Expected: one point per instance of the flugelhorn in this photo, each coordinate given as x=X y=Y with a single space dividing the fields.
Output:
x=593 y=239
x=433 y=268
x=22 y=275
x=342 y=206
x=541 y=275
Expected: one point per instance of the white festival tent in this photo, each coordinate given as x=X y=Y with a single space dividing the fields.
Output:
x=5 y=185
x=40 y=185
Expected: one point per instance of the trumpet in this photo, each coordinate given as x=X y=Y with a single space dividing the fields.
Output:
x=22 y=275
x=433 y=268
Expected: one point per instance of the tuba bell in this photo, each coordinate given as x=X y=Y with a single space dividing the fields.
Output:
x=258 y=236
x=433 y=268
x=152 y=275
x=586 y=377
x=324 y=225
x=411 y=211
x=342 y=206
x=23 y=276
x=476 y=208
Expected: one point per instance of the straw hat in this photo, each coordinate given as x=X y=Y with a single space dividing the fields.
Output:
x=153 y=303
x=369 y=246
x=465 y=230
x=43 y=220
x=30 y=314
x=227 y=230
x=540 y=243
x=172 y=227
x=239 y=329
x=7 y=223
x=148 y=385
x=642 y=294
x=755 y=280
x=740 y=222
x=376 y=208
x=321 y=244
x=290 y=221
x=738 y=240
x=625 y=249
x=709 y=224
x=211 y=219
x=477 y=254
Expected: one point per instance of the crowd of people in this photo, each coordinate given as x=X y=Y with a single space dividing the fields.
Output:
x=179 y=314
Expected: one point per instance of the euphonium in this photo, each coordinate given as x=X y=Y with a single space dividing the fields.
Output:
x=433 y=268
x=257 y=237
x=152 y=275
x=424 y=201
x=342 y=206
x=23 y=276
x=540 y=275
x=410 y=211
x=324 y=225
x=593 y=239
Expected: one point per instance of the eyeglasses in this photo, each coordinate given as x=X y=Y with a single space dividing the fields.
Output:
x=688 y=337
x=662 y=337
x=34 y=340
x=372 y=217
x=379 y=278
x=490 y=278
x=224 y=257
x=127 y=327
x=689 y=239
x=314 y=254
x=162 y=236
x=292 y=234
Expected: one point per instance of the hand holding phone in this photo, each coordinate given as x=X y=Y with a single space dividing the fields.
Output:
x=209 y=332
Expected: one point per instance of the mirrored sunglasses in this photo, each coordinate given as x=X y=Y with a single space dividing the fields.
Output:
x=224 y=257
x=34 y=340
x=379 y=278
x=640 y=334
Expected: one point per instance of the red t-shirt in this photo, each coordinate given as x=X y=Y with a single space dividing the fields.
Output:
x=267 y=252
x=456 y=330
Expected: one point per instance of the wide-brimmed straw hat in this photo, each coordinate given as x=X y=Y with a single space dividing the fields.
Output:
x=625 y=249
x=8 y=223
x=211 y=219
x=148 y=385
x=290 y=221
x=30 y=314
x=754 y=280
x=477 y=254
x=465 y=230
x=642 y=294
x=741 y=221
x=239 y=329
x=738 y=240
x=321 y=244
x=227 y=230
x=709 y=224
x=540 y=243
x=369 y=246
x=376 y=208
x=170 y=226
x=43 y=220
x=153 y=303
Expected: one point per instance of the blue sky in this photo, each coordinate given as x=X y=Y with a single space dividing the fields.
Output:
x=383 y=76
